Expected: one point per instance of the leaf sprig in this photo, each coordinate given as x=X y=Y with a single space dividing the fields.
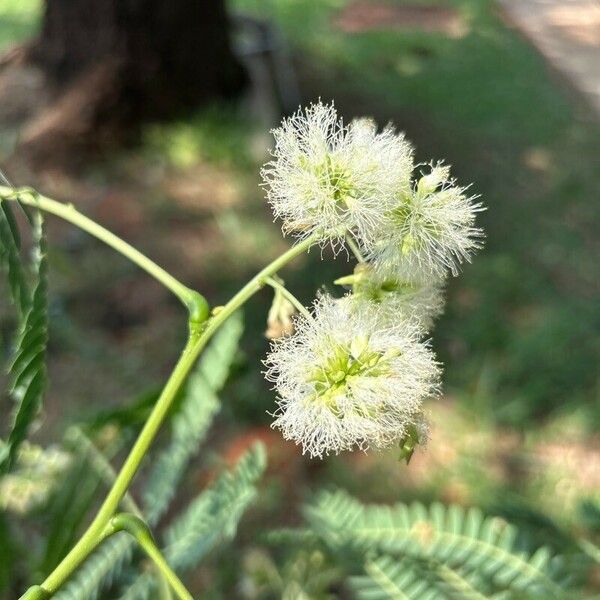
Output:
x=27 y=373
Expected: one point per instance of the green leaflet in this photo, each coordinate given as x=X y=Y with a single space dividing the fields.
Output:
x=10 y=258
x=218 y=357
x=188 y=428
x=465 y=551
x=215 y=513
x=100 y=570
x=387 y=577
x=28 y=370
x=210 y=518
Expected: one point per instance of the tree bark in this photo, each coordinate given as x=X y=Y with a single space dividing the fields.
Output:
x=110 y=65
x=170 y=54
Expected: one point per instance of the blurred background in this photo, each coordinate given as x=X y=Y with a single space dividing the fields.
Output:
x=154 y=118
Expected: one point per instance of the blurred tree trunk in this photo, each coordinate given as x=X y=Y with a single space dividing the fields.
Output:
x=167 y=54
x=111 y=64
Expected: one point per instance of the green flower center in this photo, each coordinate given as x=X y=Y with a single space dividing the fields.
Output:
x=366 y=284
x=337 y=179
x=343 y=365
x=378 y=291
x=407 y=217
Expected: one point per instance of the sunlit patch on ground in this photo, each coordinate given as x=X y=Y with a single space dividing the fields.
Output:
x=580 y=22
x=362 y=16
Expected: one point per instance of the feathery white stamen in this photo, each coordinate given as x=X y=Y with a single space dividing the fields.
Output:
x=400 y=297
x=348 y=379
x=431 y=231
x=330 y=178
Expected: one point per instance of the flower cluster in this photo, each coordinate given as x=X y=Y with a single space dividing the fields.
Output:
x=356 y=371
x=399 y=297
x=346 y=379
x=334 y=179
x=431 y=229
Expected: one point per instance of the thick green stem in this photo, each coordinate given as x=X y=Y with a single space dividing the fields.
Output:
x=35 y=592
x=196 y=343
x=194 y=301
x=138 y=529
x=91 y=537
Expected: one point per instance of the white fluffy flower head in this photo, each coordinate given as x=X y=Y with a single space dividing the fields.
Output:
x=398 y=296
x=330 y=178
x=431 y=230
x=346 y=379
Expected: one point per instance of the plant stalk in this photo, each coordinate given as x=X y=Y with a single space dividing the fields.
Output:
x=279 y=287
x=198 y=339
x=195 y=303
x=139 y=530
x=355 y=249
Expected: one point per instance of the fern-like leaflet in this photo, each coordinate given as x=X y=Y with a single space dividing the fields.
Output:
x=387 y=577
x=210 y=518
x=10 y=257
x=465 y=552
x=28 y=370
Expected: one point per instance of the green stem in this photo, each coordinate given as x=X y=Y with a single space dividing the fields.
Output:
x=163 y=566
x=196 y=303
x=195 y=344
x=105 y=470
x=136 y=527
x=164 y=591
x=90 y=539
x=278 y=286
x=355 y=249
